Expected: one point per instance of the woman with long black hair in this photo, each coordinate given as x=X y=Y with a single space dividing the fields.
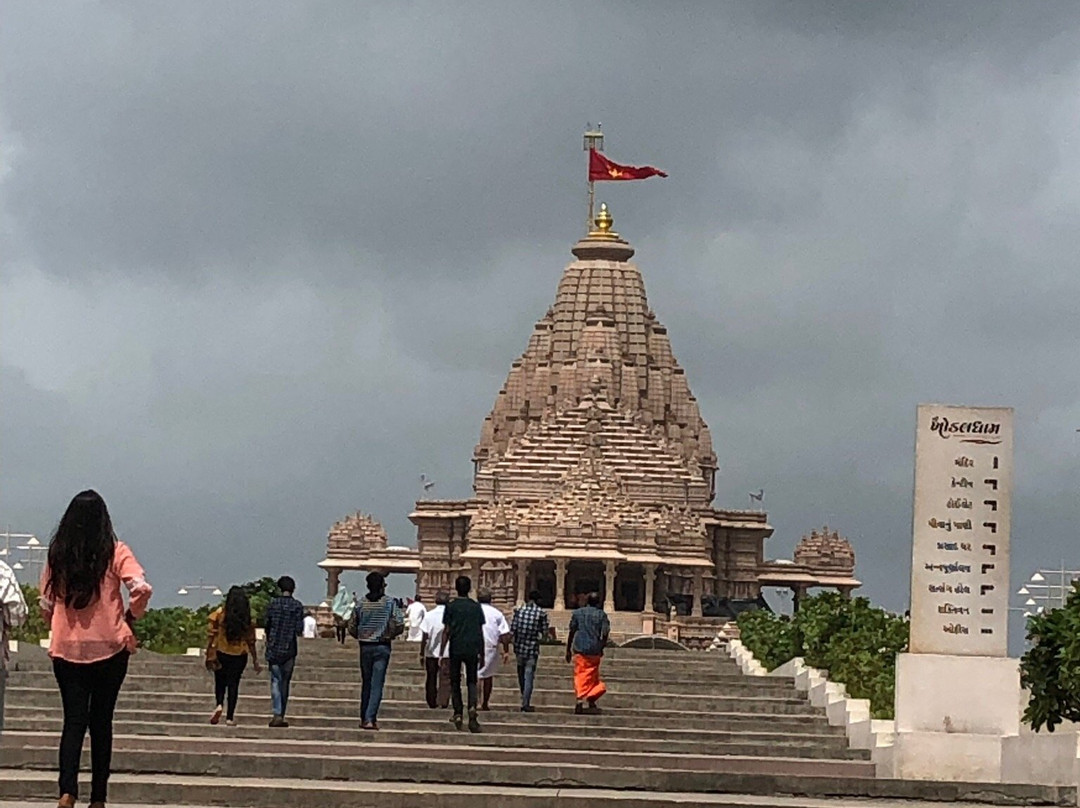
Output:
x=231 y=639
x=92 y=634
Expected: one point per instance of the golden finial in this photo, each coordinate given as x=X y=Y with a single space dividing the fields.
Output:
x=603 y=223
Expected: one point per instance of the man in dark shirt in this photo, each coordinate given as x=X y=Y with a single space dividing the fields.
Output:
x=284 y=623
x=463 y=630
x=589 y=630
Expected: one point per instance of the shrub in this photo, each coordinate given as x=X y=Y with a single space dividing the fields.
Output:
x=1050 y=669
x=855 y=642
x=260 y=593
x=170 y=630
x=173 y=630
x=35 y=628
x=771 y=637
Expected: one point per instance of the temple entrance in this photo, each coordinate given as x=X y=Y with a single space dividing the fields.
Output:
x=583 y=577
x=541 y=577
x=629 y=588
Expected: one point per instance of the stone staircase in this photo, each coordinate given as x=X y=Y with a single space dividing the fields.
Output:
x=674 y=723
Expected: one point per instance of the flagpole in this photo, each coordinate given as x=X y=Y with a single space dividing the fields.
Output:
x=592 y=203
x=593 y=141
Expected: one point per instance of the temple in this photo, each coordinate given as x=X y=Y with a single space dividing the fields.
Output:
x=594 y=472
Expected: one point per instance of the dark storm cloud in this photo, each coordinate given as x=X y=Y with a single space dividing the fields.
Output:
x=267 y=263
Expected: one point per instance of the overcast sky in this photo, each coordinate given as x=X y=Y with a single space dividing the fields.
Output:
x=265 y=264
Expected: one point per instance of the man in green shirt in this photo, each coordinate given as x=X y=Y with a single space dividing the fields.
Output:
x=463 y=630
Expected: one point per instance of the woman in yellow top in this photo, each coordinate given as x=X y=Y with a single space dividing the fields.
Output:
x=231 y=639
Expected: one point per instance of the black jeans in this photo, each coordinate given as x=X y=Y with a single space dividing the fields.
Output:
x=340 y=632
x=227 y=681
x=89 y=695
x=437 y=683
x=470 y=662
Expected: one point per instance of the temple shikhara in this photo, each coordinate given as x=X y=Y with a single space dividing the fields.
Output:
x=595 y=471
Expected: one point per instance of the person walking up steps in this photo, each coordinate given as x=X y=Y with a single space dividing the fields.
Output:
x=12 y=615
x=414 y=619
x=463 y=634
x=92 y=635
x=342 y=608
x=230 y=638
x=376 y=621
x=589 y=630
x=496 y=633
x=284 y=623
x=529 y=626
x=311 y=627
x=436 y=665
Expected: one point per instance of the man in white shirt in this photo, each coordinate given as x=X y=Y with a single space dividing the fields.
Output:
x=311 y=627
x=12 y=614
x=414 y=619
x=496 y=631
x=437 y=683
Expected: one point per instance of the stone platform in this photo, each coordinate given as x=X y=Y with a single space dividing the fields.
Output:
x=679 y=728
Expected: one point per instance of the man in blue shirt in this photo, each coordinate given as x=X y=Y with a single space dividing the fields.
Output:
x=589 y=630
x=284 y=623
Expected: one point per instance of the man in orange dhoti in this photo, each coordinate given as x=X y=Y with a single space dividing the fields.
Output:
x=589 y=630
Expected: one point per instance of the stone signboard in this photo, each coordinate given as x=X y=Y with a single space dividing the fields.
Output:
x=960 y=554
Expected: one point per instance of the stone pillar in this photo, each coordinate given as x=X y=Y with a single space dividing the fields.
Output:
x=699 y=592
x=560 y=584
x=333 y=582
x=800 y=593
x=650 y=576
x=474 y=573
x=522 y=577
x=609 y=586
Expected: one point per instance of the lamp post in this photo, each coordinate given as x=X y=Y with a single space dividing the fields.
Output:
x=199 y=587
x=33 y=553
x=1048 y=588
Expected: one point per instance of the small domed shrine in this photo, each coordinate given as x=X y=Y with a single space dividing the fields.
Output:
x=827 y=553
x=594 y=471
x=358 y=542
x=821 y=559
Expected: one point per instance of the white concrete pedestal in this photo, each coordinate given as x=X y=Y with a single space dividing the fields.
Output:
x=952 y=715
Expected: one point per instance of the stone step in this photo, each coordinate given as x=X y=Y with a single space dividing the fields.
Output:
x=350 y=662
x=441 y=764
x=30 y=789
x=420 y=718
x=289 y=742
x=133 y=697
x=410 y=680
x=496 y=732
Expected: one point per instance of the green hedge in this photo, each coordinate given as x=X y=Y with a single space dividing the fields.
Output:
x=1050 y=669
x=171 y=630
x=855 y=642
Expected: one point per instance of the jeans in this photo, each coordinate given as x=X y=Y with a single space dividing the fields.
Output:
x=374 y=659
x=437 y=683
x=3 y=687
x=280 y=679
x=470 y=662
x=526 y=676
x=227 y=681
x=89 y=694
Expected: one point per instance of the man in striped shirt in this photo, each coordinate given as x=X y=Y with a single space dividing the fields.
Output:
x=375 y=622
x=12 y=614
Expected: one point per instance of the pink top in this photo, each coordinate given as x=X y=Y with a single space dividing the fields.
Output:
x=99 y=631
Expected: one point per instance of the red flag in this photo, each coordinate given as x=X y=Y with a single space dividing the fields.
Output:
x=601 y=168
